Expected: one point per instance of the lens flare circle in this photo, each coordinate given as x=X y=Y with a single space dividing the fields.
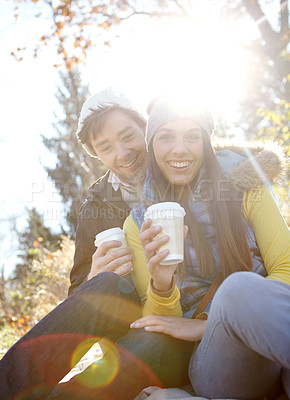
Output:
x=101 y=372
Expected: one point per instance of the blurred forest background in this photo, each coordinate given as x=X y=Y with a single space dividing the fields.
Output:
x=40 y=280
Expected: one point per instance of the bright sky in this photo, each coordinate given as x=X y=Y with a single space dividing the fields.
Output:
x=144 y=61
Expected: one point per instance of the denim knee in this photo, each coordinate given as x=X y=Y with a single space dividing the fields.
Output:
x=106 y=282
x=166 y=356
x=236 y=294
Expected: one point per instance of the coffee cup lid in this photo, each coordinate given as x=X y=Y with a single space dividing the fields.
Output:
x=108 y=232
x=166 y=205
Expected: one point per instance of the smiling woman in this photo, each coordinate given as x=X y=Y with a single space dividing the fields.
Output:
x=233 y=229
x=179 y=146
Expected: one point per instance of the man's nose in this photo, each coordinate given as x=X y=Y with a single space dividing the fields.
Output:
x=123 y=151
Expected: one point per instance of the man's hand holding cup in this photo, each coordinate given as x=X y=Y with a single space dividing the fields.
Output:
x=112 y=253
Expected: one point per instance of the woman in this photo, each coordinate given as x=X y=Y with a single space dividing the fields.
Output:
x=234 y=227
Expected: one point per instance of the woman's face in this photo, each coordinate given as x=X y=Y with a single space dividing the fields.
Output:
x=178 y=149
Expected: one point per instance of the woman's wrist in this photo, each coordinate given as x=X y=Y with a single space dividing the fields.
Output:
x=164 y=288
x=202 y=328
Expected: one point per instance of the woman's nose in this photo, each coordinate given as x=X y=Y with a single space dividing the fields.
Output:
x=179 y=146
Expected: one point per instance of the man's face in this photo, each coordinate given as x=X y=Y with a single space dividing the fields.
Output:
x=121 y=147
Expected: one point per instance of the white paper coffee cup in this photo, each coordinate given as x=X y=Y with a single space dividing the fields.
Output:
x=112 y=234
x=170 y=216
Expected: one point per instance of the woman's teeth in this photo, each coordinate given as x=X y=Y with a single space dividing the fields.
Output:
x=130 y=163
x=179 y=164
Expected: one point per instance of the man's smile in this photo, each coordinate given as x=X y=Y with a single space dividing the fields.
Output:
x=129 y=163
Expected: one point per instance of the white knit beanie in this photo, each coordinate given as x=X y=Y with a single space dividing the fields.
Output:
x=163 y=111
x=108 y=97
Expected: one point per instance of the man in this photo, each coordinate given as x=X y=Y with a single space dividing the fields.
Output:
x=111 y=130
x=100 y=305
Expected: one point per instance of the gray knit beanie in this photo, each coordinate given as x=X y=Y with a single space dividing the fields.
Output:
x=163 y=111
x=106 y=98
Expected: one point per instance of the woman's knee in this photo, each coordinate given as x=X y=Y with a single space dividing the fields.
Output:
x=236 y=292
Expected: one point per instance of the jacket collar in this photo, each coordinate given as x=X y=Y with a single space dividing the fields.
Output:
x=104 y=190
x=98 y=188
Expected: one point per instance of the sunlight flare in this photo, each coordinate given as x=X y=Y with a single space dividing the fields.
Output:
x=205 y=54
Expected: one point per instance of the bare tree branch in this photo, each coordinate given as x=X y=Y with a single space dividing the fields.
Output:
x=255 y=11
x=147 y=13
x=275 y=42
x=179 y=6
x=284 y=24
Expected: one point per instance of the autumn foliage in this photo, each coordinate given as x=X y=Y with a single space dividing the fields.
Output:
x=43 y=285
x=77 y=26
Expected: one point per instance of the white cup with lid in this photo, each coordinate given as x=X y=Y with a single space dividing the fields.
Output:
x=112 y=234
x=170 y=216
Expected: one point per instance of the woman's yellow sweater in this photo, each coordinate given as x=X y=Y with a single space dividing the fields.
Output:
x=272 y=237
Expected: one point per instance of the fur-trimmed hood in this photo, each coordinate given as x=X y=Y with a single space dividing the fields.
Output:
x=251 y=165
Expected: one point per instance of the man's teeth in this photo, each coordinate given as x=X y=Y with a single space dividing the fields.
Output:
x=181 y=164
x=130 y=163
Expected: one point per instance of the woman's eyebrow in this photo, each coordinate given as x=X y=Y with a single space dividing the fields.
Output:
x=166 y=130
x=190 y=130
x=193 y=130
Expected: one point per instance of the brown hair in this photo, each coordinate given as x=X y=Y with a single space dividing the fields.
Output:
x=96 y=120
x=224 y=207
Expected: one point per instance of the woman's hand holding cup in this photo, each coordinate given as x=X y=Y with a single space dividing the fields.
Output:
x=162 y=237
x=162 y=275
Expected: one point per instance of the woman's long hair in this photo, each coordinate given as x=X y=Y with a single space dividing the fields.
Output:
x=224 y=208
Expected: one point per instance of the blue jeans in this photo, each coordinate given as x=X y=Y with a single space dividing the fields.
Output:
x=103 y=307
x=246 y=347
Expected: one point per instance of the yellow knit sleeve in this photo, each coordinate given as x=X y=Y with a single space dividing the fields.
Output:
x=152 y=303
x=163 y=305
x=271 y=231
x=140 y=273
